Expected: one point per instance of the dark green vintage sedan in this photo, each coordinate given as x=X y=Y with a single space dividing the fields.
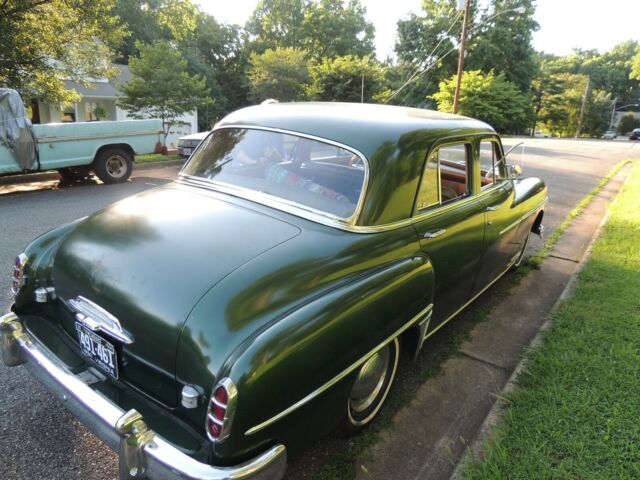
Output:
x=265 y=295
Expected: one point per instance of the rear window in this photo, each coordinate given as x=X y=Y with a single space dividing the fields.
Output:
x=306 y=172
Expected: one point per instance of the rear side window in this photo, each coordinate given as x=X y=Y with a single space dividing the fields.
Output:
x=445 y=177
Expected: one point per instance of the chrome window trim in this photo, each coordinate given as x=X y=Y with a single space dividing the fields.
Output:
x=280 y=203
x=341 y=375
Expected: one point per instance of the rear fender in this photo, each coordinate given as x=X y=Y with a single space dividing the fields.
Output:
x=282 y=371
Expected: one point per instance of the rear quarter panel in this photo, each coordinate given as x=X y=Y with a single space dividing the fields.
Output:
x=294 y=319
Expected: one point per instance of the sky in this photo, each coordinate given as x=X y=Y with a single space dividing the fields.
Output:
x=564 y=24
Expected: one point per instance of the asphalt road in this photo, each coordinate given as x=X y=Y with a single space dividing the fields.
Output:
x=39 y=439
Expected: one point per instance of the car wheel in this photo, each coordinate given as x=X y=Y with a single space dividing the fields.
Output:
x=73 y=174
x=113 y=165
x=370 y=388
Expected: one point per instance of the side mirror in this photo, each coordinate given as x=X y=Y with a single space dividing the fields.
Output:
x=515 y=170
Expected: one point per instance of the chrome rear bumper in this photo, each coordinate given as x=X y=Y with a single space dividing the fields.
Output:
x=142 y=453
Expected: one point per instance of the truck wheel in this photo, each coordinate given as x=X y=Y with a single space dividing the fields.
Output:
x=113 y=165
x=73 y=174
x=370 y=388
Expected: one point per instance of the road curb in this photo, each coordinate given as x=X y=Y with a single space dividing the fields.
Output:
x=494 y=417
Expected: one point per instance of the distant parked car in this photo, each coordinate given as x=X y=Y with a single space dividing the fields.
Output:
x=635 y=135
x=610 y=135
x=539 y=134
x=188 y=143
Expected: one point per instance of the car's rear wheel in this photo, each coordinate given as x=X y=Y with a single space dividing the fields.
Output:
x=371 y=387
x=113 y=165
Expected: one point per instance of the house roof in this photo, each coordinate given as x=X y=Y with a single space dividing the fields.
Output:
x=102 y=88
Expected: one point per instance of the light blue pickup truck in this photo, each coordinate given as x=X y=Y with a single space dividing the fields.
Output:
x=73 y=149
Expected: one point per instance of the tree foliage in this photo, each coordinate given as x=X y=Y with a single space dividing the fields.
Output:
x=282 y=73
x=348 y=79
x=501 y=40
x=149 y=21
x=332 y=28
x=426 y=50
x=43 y=42
x=160 y=86
x=325 y=28
x=628 y=123
x=487 y=97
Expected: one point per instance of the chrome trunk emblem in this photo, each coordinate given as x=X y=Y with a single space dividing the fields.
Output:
x=96 y=318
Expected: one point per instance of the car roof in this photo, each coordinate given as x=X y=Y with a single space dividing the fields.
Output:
x=395 y=141
x=364 y=127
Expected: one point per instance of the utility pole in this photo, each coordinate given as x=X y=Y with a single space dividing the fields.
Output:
x=613 y=112
x=463 y=46
x=584 y=102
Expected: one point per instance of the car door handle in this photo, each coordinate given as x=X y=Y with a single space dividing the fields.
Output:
x=435 y=234
x=493 y=208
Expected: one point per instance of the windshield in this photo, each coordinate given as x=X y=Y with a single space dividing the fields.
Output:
x=298 y=170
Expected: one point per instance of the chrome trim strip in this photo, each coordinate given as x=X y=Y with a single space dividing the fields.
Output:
x=338 y=377
x=127 y=432
x=277 y=202
x=97 y=135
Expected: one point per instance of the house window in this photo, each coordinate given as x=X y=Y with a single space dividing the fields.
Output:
x=90 y=111
x=68 y=113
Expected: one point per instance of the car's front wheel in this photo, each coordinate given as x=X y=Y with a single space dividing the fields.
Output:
x=371 y=387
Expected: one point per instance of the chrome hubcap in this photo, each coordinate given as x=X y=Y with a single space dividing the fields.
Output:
x=370 y=380
x=116 y=166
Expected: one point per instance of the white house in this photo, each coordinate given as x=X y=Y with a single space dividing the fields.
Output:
x=103 y=93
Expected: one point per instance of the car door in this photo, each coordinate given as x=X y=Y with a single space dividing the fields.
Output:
x=449 y=221
x=497 y=192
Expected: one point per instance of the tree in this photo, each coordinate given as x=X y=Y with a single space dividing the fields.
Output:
x=45 y=41
x=627 y=123
x=332 y=28
x=216 y=52
x=487 y=97
x=426 y=50
x=277 y=24
x=160 y=86
x=546 y=89
x=348 y=79
x=149 y=21
x=282 y=74
x=502 y=42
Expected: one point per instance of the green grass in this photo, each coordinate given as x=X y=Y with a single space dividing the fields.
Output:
x=575 y=413
x=155 y=157
x=535 y=260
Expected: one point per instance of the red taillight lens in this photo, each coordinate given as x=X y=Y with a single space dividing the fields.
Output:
x=218 y=411
x=213 y=429
x=221 y=395
x=221 y=409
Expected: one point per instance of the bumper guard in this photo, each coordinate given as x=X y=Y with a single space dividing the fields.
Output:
x=142 y=453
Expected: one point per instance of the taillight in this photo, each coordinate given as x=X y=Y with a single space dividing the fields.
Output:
x=221 y=409
x=19 y=273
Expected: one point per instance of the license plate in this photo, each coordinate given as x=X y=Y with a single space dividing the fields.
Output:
x=98 y=349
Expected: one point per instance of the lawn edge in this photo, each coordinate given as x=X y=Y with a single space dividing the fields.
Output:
x=495 y=416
